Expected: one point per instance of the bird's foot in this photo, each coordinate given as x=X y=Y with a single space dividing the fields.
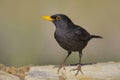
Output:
x=60 y=67
x=78 y=70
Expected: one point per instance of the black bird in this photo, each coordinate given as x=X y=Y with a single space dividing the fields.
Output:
x=70 y=36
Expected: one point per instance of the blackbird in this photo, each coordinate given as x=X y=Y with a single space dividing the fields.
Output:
x=70 y=36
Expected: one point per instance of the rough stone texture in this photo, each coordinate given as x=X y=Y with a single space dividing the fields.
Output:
x=7 y=76
x=99 y=71
x=19 y=72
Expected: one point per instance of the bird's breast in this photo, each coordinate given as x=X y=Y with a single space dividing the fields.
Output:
x=68 y=41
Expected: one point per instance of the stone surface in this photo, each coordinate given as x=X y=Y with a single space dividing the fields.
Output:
x=99 y=71
x=7 y=76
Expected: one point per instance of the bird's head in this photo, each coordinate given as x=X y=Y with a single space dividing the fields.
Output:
x=59 y=20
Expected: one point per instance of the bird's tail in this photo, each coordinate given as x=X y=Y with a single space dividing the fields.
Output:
x=95 y=36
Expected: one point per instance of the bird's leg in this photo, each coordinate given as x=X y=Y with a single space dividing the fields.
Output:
x=62 y=65
x=79 y=65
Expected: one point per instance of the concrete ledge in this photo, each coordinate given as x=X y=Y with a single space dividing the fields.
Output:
x=99 y=71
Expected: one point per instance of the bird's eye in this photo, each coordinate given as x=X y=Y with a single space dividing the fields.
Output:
x=58 y=18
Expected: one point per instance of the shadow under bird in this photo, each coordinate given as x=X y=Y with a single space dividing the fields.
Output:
x=70 y=36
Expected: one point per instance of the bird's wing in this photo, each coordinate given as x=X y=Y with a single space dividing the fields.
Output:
x=81 y=33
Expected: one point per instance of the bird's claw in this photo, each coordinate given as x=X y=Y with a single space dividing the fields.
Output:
x=61 y=66
x=78 y=70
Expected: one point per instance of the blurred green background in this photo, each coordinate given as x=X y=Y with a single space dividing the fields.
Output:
x=27 y=39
